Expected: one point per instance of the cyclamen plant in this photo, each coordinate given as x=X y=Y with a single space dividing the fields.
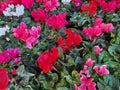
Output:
x=59 y=44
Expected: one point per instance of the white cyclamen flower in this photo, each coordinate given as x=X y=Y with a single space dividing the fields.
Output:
x=4 y=30
x=14 y=10
x=8 y=10
x=19 y=10
x=66 y=1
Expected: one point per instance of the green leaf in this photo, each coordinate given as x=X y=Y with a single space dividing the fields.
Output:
x=21 y=70
x=114 y=51
x=26 y=20
x=63 y=88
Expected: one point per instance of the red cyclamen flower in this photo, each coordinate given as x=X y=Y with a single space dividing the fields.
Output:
x=72 y=39
x=39 y=15
x=4 y=79
x=45 y=60
x=14 y=72
x=92 y=8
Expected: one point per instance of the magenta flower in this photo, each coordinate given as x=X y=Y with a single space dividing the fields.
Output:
x=97 y=50
x=21 y=32
x=92 y=32
x=106 y=27
x=97 y=29
x=28 y=3
x=102 y=70
x=39 y=15
x=89 y=62
x=109 y=6
x=10 y=54
x=87 y=84
x=76 y=3
x=57 y=21
x=98 y=21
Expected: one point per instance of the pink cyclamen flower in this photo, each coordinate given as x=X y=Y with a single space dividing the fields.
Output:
x=89 y=62
x=81 y=87
x=97 y=29
x=87 y=84
x=97 y=50
x=57 y=21
x=51 y=5
x=33 y=37
x=29 y=36
x=28 y=3
x=102 y=70
x=106 y=27
x=76 y=3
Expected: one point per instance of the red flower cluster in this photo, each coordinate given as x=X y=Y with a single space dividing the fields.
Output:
x=72 y=39
x=29 y=36
x=10 y=54
x=57 y=21
x=39 y=15
x=45 y=60
x=97 y=29
x=91 y=8
x=4 y=79
x=106 y=6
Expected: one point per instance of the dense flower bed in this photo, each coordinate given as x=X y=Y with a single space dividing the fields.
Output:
x=59 y=44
